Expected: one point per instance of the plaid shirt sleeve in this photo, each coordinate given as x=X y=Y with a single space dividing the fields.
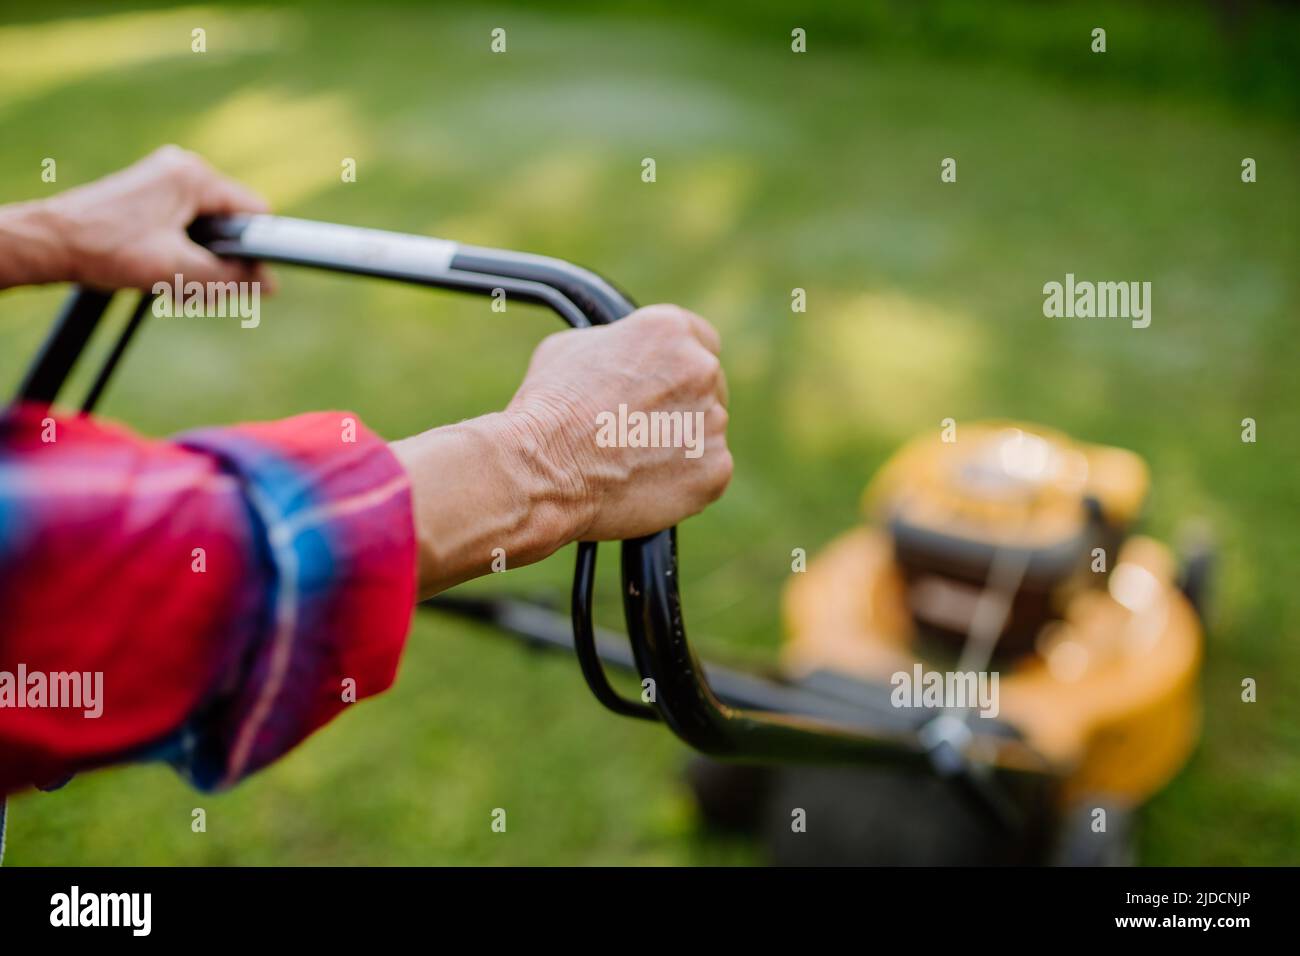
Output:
x=228 y=591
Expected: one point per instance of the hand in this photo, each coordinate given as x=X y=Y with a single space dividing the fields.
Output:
x=585 y=387
x=518 y=485
x=127 y=230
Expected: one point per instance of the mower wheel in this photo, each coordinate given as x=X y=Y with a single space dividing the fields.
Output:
x=730 y=796
x=1081 y=844
x=882 y=817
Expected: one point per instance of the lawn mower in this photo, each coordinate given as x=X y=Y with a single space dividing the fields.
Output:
x=1006 y=553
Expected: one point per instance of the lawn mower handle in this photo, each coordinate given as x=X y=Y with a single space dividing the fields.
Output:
x=679 y=692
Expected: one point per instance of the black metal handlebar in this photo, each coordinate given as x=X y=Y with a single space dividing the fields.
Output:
x=678 y=691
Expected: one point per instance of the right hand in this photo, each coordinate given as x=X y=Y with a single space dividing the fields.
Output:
x=659 y=359
x=525 y=482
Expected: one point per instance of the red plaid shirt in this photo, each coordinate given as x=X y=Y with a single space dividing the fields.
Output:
x=235 y=588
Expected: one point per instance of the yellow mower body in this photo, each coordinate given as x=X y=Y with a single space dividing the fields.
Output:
x=1099 y=652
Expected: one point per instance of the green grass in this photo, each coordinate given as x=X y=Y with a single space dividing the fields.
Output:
x=774 y=171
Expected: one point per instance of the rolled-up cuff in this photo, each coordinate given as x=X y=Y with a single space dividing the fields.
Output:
x=332 y=508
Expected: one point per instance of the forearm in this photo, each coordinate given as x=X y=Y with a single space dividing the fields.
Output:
x=32 y=248
x=488 y=493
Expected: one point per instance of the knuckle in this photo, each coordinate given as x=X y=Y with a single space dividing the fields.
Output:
x=724 y=467
x=169 y=153
x=186 y=165
x=670 y=318
x=552 y=342
x=705 y=365
x=683 y=321
x=174 y=155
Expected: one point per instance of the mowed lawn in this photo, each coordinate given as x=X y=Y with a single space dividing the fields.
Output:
x=774 y=171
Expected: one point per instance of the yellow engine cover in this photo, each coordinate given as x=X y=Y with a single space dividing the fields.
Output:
x=1006 y=483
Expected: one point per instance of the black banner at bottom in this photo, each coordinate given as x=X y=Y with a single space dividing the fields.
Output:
x=334 y=906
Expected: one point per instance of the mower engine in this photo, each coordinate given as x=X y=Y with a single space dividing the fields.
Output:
x=1054 y=511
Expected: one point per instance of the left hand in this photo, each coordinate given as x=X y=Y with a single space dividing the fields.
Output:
x=127 y=230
